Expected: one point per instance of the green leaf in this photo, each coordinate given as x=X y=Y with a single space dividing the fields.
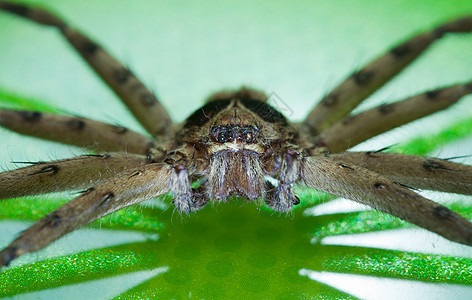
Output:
x=231 y=249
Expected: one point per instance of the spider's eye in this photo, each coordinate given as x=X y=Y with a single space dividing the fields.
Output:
x=224 y=136
x=247 y=134
x=250 y=134
x=248 y=137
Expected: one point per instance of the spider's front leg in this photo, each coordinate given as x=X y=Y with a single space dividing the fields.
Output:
x=287 y=164
x=335 y=176
x=185 y=198
x=123 y=190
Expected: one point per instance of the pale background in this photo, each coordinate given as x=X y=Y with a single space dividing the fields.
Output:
x=187 y=49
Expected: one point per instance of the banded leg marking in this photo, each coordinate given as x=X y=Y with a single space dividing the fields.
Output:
x=67 y=174
x=114 y=194
x=140 y=101
x=332 y=175
x=415 y=171
x=93 y=135
x=358 y=128
x=345 y=97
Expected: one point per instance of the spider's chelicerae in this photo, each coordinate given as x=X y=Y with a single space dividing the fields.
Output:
x=232 y=145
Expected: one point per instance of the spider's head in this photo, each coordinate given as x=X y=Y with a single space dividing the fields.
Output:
x=235 y=129
x=234 y=121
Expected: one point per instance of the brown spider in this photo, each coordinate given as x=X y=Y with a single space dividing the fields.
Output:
x=232 y=144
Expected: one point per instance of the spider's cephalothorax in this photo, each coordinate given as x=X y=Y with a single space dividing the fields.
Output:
x=232 y=145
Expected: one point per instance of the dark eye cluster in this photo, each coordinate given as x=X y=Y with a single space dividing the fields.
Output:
x=231 y=132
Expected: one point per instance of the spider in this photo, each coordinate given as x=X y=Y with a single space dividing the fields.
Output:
x=233 y=145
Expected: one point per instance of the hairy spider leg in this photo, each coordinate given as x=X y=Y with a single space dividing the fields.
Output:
x=335 y=174
x=414 y=171
x=357 y=128
x=332 y=175
x=128 y=188
x=76 y=173
x=82 y=132
x=140 y=101
x=357 y=87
